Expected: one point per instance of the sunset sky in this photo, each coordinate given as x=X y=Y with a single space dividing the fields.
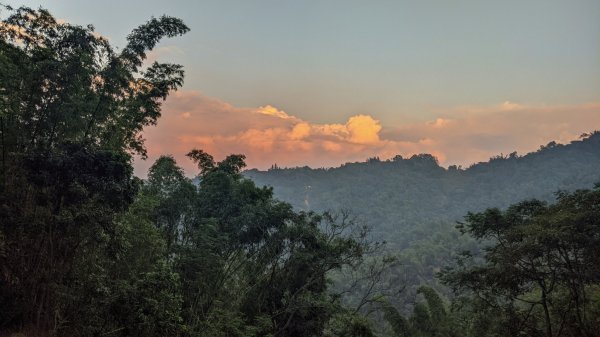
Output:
x=321 y=83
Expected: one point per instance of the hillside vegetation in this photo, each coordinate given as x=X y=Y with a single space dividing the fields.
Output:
x=395 y=194
x=414 y=204
x=88 y=249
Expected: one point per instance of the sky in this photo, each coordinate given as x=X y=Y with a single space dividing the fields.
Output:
x=320 y=83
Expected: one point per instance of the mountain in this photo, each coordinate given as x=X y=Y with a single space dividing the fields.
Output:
x=398 y=194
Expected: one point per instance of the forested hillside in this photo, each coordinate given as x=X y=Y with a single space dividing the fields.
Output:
x=399 y=193
x=414 y=204
x=88 y=249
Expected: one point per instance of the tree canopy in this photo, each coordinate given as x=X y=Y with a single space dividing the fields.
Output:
x=88 y=249
x=540 y=271
x=71 y=113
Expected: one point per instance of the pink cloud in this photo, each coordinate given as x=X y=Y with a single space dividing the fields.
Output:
x=268 y=135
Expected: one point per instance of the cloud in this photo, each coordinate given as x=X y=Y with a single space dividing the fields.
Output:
x=273 y=111
x=472 y=134
x=269 y=135
x=508 y=106
x=363 y=129
x=439 y=123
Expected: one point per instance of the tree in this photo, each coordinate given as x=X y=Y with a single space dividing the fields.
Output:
x=175 y=196
x=71 y=113
x=254 y=266
x=64 y=83
x=540 y=269
x=429 y=318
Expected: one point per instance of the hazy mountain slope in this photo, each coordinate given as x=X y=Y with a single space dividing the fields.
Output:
x=393 y=194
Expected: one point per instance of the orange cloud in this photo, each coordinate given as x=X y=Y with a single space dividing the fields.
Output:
x=300 y=131
x=363 y=129
x=273 y=111
x=268 y=135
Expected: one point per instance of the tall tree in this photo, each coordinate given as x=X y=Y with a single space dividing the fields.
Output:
x=71 y=113
x=540 y=268
x=175 y=196
x=429 y=317
x=253 y=265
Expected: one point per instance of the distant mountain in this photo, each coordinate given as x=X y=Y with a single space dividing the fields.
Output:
x=395 y=194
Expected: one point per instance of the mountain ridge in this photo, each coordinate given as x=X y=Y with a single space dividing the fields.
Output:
x=398 y=192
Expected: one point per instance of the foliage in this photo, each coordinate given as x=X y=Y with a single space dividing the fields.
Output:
x=429 y=318
x=252 y=258
x=413 y=203
x=403 y=194
x=87 y=249
x=540 y=274
x=71 y=113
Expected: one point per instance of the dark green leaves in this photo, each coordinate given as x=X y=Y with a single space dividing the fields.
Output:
x=71 y=113
x=541 y=265
x=145 y=37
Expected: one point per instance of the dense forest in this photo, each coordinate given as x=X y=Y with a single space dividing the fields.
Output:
x=401 y=192
x=413 y=203
x=88 y=249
